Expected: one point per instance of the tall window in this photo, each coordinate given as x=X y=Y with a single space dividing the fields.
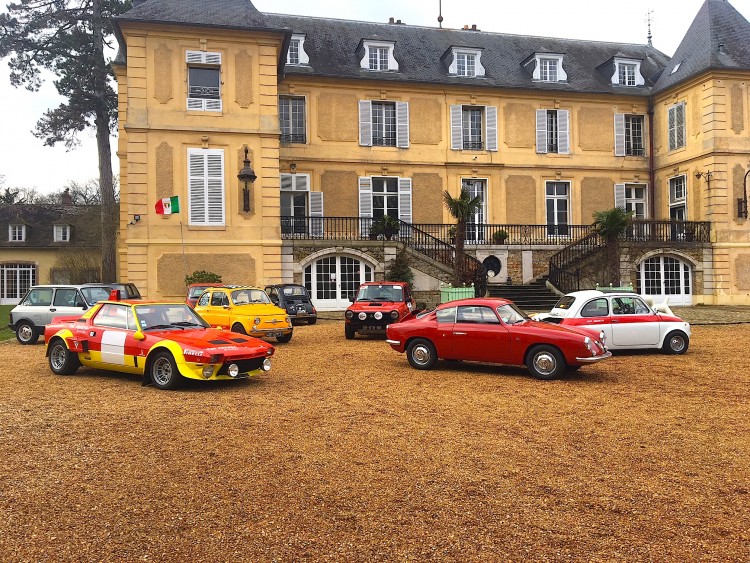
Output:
x=634 y=135
x=384 y=124
x=635 y=200
x=557 y=194
x=548 y=70
x=678 y=206
x=204 y=80
x=292 y=119
x=384 y=197
x=15 y=281
x=466 y=64
x=475 y=224
x=293 y=54
x=666 y=276
x=378 y=58
x=206 y=187
x=472 y=127
x=676 y=118
x=16 y=233
x=626 y=74
x=552 y=129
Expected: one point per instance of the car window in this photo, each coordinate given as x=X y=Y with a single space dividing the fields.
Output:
x=565 y=302
x=476 y=315
x=447 y=315
x=640 y=307
x=295 y=290
x=245 y=296
x=113 y=316
x=510 y=314
x=40 y=297
x=204 y=299
x=95 y=294
x=596 y=308
x=218 y=299
x=629 y=306
x=67 y=297
x=196 y=291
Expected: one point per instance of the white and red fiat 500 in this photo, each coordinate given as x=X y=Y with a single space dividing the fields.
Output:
x=628 y=321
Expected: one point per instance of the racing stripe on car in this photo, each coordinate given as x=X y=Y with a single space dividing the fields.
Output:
x=113 y=347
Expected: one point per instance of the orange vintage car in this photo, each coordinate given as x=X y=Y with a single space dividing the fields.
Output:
x=162 y=342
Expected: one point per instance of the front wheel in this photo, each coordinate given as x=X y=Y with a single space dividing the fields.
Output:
x=26 y=333
x=676 y=342
x=163 y=371
x=61 y=360
x=545 y=362
x=421 y=354
x=285 y=338
x=349 y=332
x=238 y=328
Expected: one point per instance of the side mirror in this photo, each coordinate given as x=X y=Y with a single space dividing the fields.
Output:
x=351 y=298
x=138 y=335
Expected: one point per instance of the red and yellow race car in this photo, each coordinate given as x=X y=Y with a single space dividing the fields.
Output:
x=163 y=342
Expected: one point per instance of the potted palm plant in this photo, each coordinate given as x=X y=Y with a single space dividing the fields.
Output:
x=499 y=237
x=611 y=225
x=461 y=209
x=386 y=226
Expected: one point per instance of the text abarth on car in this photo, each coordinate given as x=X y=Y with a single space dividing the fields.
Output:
x=626 y=319
x=495 y=331
x=246 y=310
x=376 y=305
x=163 y=342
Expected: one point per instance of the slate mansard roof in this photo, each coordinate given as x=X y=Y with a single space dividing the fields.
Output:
x=39 y=219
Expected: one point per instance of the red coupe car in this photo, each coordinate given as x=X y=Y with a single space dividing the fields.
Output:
x=494 y=330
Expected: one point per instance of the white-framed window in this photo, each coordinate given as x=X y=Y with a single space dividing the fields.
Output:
x=635 y=200
x=678 y=204
x=384 y=195
x=557 y=200
x=677 y=190
x=378 y=56
x=666 y=277
x=16 y=233
x=552 y=131
x=292 y=119
x=676 y=126
x=61 y=233
x=475 y=224
x=204 y=80
x=15 y=281
x=473 y=127
x=549 y=68
x=206 y=198
x=296 y=54
x=629 y=134
x=627 y=72
x=301 y=209
x=466 y=62
x=383 y=123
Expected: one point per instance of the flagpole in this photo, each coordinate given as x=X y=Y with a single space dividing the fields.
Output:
x=184 y=256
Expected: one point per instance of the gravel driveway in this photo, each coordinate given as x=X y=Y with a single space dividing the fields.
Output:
x=344 y=453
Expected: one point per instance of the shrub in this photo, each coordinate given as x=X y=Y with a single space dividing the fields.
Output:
x=400 y=268
x=202 y=276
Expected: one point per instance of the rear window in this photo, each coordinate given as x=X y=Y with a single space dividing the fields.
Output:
x=565 y=302
x=295 y=291
x=95 y=294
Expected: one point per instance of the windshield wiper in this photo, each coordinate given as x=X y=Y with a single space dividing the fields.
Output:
x=152 y=327
x=187 y=323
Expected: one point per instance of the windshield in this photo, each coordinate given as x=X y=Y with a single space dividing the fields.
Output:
x=247 y=296
x=510 y=314
x=380 y=292
x=95 y=294
x=169 y=315
x=195 y=292
x=565 y=302
x=294 y=291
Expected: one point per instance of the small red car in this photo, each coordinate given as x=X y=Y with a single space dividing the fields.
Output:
x=194 y=291
x=377 y=305
x=494 y=330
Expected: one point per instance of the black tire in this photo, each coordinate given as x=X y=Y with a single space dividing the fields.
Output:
x=238 y=328
x=163 y=371
x=285 y=338
x=545 y=362
x=312 y=321
x=676 y=342
x=26 y=332
x=421 y=354
x=61 y=360
x=349 y=332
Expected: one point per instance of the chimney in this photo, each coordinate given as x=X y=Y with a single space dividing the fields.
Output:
x=474 y=27
x=66 y=198
x=391 y=20
x=466 y=27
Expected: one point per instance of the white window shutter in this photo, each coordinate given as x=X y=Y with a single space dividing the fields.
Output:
x=404 y=199
x=365 y=204
x=541 y=131
x=316 y=214
x=365 y=123
x=491 y=127
x=563 y=131
x=456 y=130
x=196 y=188
x=672 y=120
x=402 y=124
x=619 y=134
x=620 y=196
x=215 y=188
x=680 y=125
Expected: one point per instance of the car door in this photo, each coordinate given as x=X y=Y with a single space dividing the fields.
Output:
x=36 y=306
x=595 y=314
x=67 y=301
x=479 y=335
x=221 y=310
x=110 y=340
x=634 y=324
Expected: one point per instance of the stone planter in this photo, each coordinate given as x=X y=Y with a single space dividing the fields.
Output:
x=448 y=293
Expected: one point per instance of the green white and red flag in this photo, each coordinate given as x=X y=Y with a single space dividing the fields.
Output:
x=168 y=205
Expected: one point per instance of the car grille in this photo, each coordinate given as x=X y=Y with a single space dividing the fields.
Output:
x=244 y=365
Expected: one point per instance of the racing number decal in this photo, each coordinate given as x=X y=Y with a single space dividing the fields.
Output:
x=113 y=347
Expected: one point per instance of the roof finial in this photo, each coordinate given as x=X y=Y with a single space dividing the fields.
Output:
x=648 y=19
x=440 y=13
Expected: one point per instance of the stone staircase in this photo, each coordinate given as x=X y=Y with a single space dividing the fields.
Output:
x=531 y=297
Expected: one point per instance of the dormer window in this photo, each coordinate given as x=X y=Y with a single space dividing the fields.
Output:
x=466 y=62
x=62 y=233
x=549 y=68
x=296 y=55
x=378 y=56
x=627 y=73
x=204 y=80
x=16 y=233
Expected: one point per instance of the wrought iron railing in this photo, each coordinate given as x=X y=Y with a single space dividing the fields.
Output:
x=685 y=232
x=564 y=266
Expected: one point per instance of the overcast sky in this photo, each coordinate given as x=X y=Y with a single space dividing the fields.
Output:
x=25 y=162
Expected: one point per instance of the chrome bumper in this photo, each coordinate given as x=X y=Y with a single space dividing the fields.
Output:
x=393 y=342
x=593 y=359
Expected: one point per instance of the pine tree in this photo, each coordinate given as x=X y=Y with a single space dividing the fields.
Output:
x=400 y=268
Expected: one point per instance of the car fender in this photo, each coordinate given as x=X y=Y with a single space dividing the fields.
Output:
x=177 y=353
x=67 y=336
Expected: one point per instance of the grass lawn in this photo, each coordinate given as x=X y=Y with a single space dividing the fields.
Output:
x=5 y=332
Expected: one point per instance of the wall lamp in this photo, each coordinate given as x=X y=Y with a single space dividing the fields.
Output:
x=136 y=218
x=246 y=175
x=742 y=201
x=293 y=167
x=706 y=176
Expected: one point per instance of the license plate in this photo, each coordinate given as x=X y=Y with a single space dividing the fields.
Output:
x=273 y=334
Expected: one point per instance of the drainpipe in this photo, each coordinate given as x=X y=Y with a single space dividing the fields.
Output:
x=651 y=173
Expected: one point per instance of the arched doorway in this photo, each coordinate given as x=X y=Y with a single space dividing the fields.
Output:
x=332 y=279
x=666 y=278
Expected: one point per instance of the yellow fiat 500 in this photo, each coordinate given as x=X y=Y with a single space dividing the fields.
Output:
x=247 y=310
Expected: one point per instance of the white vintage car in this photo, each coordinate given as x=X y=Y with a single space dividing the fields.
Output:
x=627 y=319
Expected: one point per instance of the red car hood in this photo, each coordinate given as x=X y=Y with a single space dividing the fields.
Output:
x=214 y=341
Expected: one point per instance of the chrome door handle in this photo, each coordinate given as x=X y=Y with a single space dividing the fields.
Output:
x=459 y=333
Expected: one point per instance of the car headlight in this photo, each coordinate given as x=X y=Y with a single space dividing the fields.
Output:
x=587 y=343
x=394 y=315
x=208 y=371
x=362 y=316
x=602 y=337
x=233 y=370
x=256 y=320
x=378 y=315
x=266 y=365
x=349 y=315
